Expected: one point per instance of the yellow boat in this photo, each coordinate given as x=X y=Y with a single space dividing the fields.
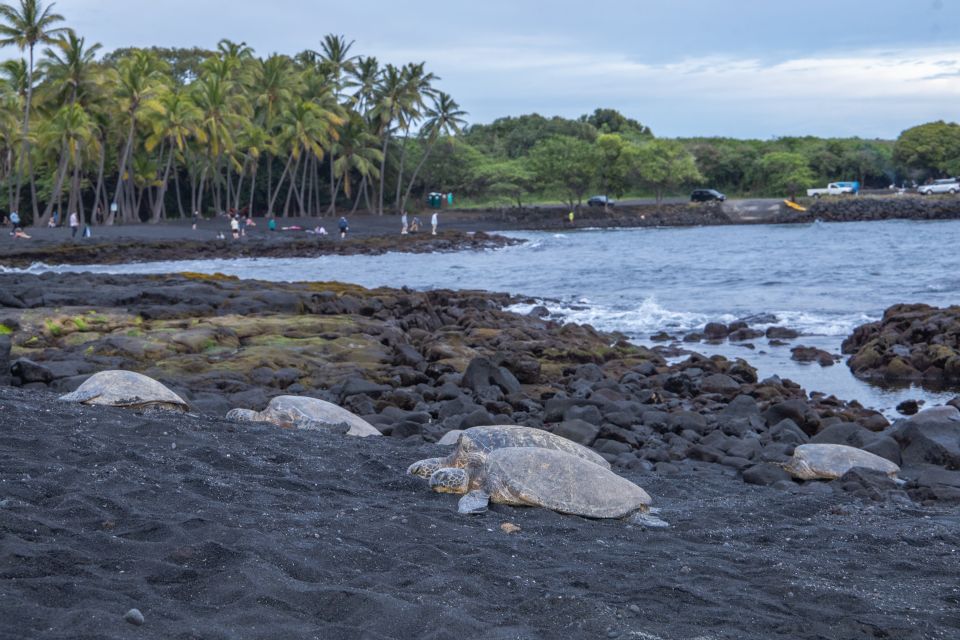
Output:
x=794 y=205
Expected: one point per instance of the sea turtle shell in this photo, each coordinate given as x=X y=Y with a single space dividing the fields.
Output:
x=562 y=482
x=830 y=461
x=120 y=388
x=478 y=442
x=303 y=412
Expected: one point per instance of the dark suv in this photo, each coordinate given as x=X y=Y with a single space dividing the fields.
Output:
x=707 y=195
x=600 y=201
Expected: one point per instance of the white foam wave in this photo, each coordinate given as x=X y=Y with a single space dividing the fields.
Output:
x=651 y=317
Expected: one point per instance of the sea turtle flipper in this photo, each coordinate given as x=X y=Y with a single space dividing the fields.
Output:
x=647 y=520
x=425 y=468
x=474 y=502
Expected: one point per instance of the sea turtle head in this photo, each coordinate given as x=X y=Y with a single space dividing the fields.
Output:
x=450 y=480
x=425 y=468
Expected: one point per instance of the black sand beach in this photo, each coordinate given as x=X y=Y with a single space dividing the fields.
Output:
x=217 y=530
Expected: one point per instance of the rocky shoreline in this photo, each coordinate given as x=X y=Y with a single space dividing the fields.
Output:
x=420 y=364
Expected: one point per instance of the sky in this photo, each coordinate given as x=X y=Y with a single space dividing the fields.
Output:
x=741 y=68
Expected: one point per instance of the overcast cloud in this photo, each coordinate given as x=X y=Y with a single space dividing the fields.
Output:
x=748 y=68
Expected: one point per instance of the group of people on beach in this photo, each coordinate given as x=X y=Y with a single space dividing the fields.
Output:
x=18 y=233
x=414 y=226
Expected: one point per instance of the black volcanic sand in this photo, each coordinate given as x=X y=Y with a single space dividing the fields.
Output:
x=221 y=530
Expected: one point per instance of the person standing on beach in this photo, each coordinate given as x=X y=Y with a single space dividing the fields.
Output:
x=235 y=227
x=74 y=224
x=403 y=221
x=434 y=219
x=196 y=219
x=344 y=227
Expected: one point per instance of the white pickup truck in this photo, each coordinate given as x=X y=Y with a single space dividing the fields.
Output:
x=833 y=189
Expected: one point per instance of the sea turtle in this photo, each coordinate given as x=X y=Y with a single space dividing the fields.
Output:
x=120 y=388
x=531 y=476
x=300 y=412
x=830 y=461
x=476 y=443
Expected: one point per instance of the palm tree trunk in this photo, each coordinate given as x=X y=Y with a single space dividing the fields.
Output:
x=25 y=144
x=96 y=195
x=123 y=167
x=383 y=167
x=176 y=186
x=162 y=192
x=55 y=194
x=274 y=194
x=303 y=187
x=253 y=187
x=360 y=192
x=333 y=190
x=403 y=157
x=426 y=154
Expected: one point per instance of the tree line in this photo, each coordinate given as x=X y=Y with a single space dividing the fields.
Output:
x=146 y=134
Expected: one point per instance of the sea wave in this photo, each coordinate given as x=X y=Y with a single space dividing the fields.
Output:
x=651 y=317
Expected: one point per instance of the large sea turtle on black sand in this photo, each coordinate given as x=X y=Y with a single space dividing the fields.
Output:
x=831 y=461
x=475 y=443
x=118 y=388
x=302 y=412
x=557 y=480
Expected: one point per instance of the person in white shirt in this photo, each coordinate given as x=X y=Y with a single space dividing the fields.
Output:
x=433 y=222
x=74 y=224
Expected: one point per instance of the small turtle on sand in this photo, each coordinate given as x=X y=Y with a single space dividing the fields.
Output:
x=300 y=412
x=476 y=443
x=557 y=480
x=120 y=388
x=831 y=461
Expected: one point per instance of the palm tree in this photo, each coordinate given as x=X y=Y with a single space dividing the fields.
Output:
x=73 y=131
x=417 y=88
x=140 y=79
x=69 y=68
x=358 y=153
x=32 y=23
x=389 y=106
x=174 y=120
x=336 y=63
x=306 y=128
x=443 y=118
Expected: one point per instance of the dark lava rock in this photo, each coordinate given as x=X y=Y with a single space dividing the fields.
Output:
x=579 y=431
x=869 y=484
x=909 y=407
x=782 y=333
x=26 y=371
x=715 y=331
x=765 y=474
x=720 y=383
x=744 y=334
x=811 y=354
x=481 y=374
x=788 y=432
x=4 y=359
x=930 y=437
x=798 y=411
x=935 y=483
x=848 y=433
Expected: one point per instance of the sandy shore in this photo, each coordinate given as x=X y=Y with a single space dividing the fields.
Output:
x=218 y=530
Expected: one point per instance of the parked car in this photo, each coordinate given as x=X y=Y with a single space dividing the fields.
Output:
x=600 y=201
x=706 y=195
x=946 y=185
x=835 y=189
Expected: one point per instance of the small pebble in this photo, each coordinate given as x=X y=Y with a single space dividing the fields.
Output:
x=134 y=617
x=634 y=608
x=509 y=527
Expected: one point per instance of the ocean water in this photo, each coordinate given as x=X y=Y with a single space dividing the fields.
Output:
x=821 y=279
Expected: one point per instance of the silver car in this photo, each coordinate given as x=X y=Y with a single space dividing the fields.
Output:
x=946 y=185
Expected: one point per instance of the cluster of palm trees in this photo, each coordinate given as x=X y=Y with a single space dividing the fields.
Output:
x=125 y=138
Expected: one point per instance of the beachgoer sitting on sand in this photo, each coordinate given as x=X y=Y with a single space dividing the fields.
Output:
x=415 y=225
x=52 y=222
x=321 y=231
x=250 y=222
x=20 y=233
x=292 y=227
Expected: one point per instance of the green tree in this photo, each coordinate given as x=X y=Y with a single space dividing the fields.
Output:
x=785 y=172
x=616 y=164
x=445 y=117
x=665 y=165
x=929 y=150
x=566 y=164
x=25 y=27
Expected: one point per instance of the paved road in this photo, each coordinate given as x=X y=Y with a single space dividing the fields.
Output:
x=753 y=210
